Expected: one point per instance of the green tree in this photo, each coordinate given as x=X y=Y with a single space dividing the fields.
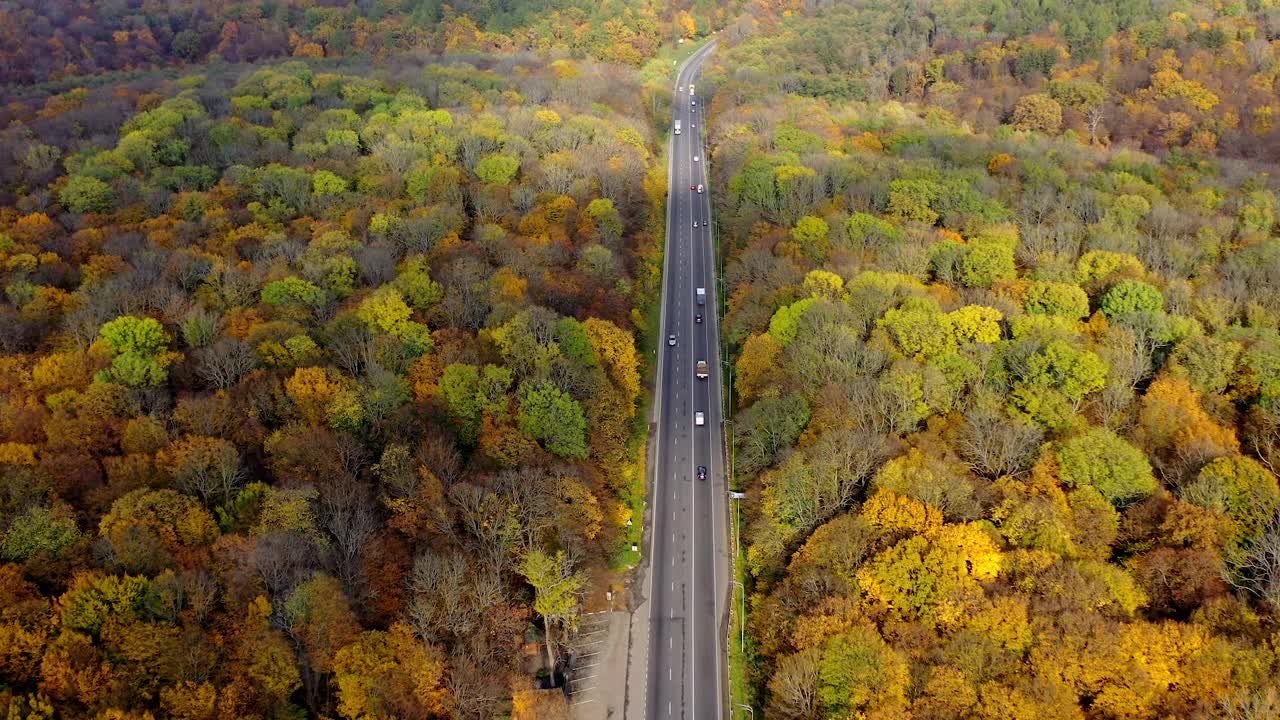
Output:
x=470 y=391
x=786 y=321
x=1242 y=488
x=920 y=328
x=607 y=219
x=498 y=169
x=553 y=417
x=1053 y=298
x=913 y=200
x=292 y=291
x=1074 y=372
x=767 y=427
x=1099 y=265
x=792 y=139
x=556 y=589
x=138 y=346
x=38 y=531
x=859 y=671
x=986 y=264
x=414 y=282
x=385 y=311
x=869 y=231
x=1129 y=296
x=1101 y=459
x=1081 y=95
x=84 y=194
x=460 y=386
x=1207 y=363
x=129 y=334
x=95 y=599
x=810 y=233
x=324 y=182
x=136 y=370
x=1054 y=380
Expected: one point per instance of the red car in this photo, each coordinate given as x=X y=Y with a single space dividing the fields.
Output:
x=693 y=187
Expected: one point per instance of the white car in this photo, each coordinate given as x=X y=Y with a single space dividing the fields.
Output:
x=695 y=158
x=693 y=103
x=699 y=188
x=671 y=340
x=699 y=419
x=695 y=223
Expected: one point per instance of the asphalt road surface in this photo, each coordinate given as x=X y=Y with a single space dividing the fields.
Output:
x=687 y=542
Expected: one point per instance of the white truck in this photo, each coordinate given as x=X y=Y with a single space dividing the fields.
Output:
x=677 y=127
x=702 y=370
x=702 y=296
x=690 y=89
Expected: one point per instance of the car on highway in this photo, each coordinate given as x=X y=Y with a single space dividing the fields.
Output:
x=693 y=103
x=702 y=472
x=694 y=187
x=671 y=340
x=698 y=318
x=699 y=188
x=695 y=223
x=695 y=158
x=699 y=419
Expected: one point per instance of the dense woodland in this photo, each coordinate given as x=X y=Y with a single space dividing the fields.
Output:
x=43 y=41
x=320 y=391
x=1002 y=303
x=321 y=378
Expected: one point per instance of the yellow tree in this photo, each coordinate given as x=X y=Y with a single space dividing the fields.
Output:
x=391 y=675
x=933 y=578
x=757 y=366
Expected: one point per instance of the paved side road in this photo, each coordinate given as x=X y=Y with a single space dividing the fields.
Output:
x=597 y=679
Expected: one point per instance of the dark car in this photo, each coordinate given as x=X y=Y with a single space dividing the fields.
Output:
x=697 y=318
x=702 y=472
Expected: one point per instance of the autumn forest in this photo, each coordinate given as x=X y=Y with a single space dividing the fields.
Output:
x=328 y=330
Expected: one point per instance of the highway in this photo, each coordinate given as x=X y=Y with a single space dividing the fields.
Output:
x=687 y=552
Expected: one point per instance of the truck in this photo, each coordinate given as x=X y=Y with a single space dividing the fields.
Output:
x=690 y=89
x=702 y=296
x=702 y=370
x=677 y=127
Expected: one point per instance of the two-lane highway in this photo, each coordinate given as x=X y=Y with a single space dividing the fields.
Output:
x=688 y=570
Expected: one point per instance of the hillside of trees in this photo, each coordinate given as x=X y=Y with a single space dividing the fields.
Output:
x=1156 y=74
x=320 y=390
x=43 y=40
x=1006 y=382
